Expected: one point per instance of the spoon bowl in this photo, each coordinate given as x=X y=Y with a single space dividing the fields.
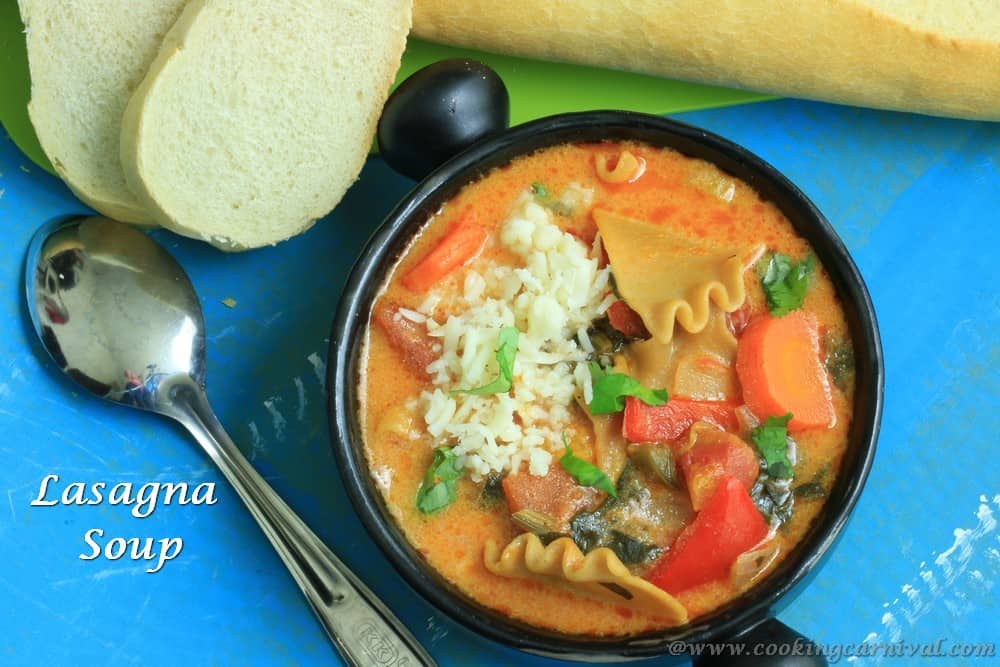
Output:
x=114 y=310
x=120 y=317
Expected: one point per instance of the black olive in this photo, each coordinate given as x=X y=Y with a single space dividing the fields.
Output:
x=438 y=112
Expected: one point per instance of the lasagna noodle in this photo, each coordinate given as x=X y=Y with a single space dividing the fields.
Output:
x=666 y=277
x=527 y=558
x=699 y=366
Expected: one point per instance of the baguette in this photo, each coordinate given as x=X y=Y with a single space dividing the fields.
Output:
x=936 y=57
x=85 y=59
x=257 y=115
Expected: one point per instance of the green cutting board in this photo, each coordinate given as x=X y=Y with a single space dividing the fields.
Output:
x=537 y=88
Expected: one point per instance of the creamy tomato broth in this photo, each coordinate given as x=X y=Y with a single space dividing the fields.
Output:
x=577 y=385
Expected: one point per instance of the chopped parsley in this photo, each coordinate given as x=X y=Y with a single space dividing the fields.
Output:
x=437 y=491
x=539 y=190
x=610 y=390
x=506 y=352
x=785 y=283
x=585 y=472
x=771 y=439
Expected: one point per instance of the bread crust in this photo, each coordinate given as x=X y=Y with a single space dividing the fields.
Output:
x=842 y=51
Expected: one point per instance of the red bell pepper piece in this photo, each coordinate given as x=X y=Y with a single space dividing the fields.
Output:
x=662 y=423
x=714 y=456
x=706 y=550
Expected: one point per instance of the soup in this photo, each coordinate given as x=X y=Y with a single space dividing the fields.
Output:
x=606 y=389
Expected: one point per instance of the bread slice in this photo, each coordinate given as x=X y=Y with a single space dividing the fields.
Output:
x=939 y=57
x=257 y=115
x=86 y=57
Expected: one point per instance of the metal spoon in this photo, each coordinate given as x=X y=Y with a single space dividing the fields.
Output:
x=120 y=317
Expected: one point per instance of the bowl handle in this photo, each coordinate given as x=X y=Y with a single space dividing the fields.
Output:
x=770 y=643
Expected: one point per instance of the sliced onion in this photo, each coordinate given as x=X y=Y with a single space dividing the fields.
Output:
x=747 y=419
x=750 y=565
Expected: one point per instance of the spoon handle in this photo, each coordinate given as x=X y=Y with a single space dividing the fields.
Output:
x=362 y=628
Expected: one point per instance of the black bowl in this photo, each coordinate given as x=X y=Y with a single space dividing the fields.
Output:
x=735 y=619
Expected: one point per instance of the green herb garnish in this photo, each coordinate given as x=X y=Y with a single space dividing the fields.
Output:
x=785 y=283
x=585 y=472
x=437 y=491
x=610 y=390
x=506 y=352
x=772 y=440
x=539 y=190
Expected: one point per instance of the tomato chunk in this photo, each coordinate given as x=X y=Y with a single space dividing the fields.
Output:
x=713 y=456
x=737 y=320
x=728 y=525
x=662 y=423
x=627 y=321
x=556 y=495
x=408 y=338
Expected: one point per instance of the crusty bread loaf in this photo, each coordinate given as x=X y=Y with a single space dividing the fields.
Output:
x=85 y=59
x=257 y=115
x=937 y=57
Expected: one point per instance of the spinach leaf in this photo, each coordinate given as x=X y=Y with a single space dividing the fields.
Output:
x=610 y=390
x=492 y=493
x=585 y=472
x=630 y=550
x=809 y=490
x=437 y=491
x=506 y=352
x=772 y=439
x=588 y=530
x=606 y=341
x=785 y=283
x=604 y=526
x=839 y=361
x=591 y=530
x=816 y=487
x=773 y=498
x=658 y=459
x=772 y=492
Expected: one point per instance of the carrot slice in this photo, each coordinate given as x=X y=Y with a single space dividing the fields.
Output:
x=462 y=243
x=778 y=364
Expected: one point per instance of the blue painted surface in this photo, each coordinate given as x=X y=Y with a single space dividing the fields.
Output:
x=916 y=200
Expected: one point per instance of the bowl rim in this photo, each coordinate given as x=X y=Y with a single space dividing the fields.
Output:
x=410 y=215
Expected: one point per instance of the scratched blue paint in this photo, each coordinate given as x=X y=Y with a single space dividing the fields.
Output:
x=915 y=199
